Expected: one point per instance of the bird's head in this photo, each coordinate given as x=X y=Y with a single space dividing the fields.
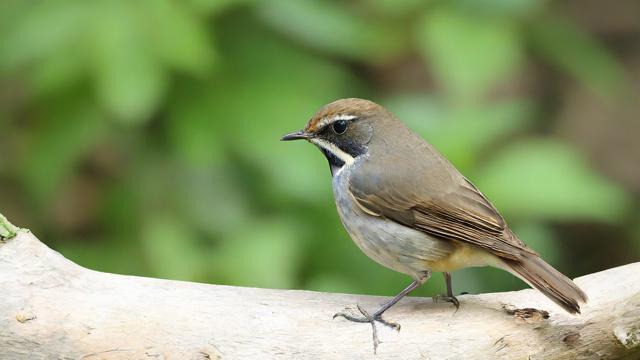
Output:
x=342 y=130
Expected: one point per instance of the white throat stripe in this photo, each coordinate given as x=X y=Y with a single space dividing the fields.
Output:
x=332 y=148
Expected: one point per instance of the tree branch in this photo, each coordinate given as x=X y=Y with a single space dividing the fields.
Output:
x=52 y=308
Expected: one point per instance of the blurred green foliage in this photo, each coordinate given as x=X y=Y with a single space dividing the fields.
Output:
x=141 y=137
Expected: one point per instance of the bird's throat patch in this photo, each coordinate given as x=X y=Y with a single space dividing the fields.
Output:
x=335 y=163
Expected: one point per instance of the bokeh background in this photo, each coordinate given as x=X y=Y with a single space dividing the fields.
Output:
x=141 y=137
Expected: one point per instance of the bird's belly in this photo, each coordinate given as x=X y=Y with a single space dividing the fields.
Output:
x=393 y=245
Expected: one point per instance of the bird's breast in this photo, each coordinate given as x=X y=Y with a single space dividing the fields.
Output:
x=391 y=244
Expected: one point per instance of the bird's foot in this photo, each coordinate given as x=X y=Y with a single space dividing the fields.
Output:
x=452 y=299
x=367 y=318
x=371 y=319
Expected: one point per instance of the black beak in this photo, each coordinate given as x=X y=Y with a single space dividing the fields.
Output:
x=296 y=136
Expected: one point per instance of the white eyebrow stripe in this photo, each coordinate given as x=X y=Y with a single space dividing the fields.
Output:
x=344 y=117
x=327 y=120
x=332 y=148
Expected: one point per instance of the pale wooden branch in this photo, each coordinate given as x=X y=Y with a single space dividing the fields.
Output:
x=52 y=308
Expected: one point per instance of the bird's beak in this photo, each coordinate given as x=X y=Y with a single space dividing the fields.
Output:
x=297 y=135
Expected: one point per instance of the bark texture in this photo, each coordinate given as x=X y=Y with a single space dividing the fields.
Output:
x=52 y=308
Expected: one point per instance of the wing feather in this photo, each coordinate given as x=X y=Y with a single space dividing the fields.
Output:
x=441 y=203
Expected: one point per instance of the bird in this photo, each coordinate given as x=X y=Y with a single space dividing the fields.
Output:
x=409 y=209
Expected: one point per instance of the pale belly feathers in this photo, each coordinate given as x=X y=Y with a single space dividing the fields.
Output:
x=399 y=247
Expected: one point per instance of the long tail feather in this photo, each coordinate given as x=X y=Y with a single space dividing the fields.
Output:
x=557 y=287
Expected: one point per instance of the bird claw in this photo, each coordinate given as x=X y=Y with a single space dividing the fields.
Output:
x=446 y=298
x=367 y=318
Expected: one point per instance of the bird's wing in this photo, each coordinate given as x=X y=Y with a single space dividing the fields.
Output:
x=436 y=199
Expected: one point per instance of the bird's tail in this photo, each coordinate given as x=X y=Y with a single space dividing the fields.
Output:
x=540 y=275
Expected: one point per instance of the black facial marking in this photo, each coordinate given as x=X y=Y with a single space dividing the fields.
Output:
x=350 y=136
x=351 y=147
x=345 y=143
x=334 y=162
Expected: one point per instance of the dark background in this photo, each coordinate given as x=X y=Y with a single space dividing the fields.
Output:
x=141 y=137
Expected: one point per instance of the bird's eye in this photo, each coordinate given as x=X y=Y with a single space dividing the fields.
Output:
x=340 y=126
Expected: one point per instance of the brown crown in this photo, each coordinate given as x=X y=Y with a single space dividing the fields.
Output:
x=351 y=106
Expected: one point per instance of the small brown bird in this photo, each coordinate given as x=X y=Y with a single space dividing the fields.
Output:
x=409 y=209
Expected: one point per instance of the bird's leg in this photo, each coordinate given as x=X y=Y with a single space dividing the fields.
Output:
x=449 y=297
x=377 y=316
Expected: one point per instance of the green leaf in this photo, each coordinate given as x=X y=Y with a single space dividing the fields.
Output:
x=7 y=229
x=462 y=133
x=396 y=7
x=519 y=8
x=212 y=200
x=572 y=49
x=540 y=238
x=109 y=255
x=214 y=6
x=40 y=29
x=468 y=131
x=545 y=179
x=330 y=27
x=468 y=53
x=196 y=137
x=130 y=80
x=332 y=283
x=168 y=242
x=265 y=254
x=176 y=35
x=66 y=131
x=58 y=72
x=636 y=233
x=267 y=89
